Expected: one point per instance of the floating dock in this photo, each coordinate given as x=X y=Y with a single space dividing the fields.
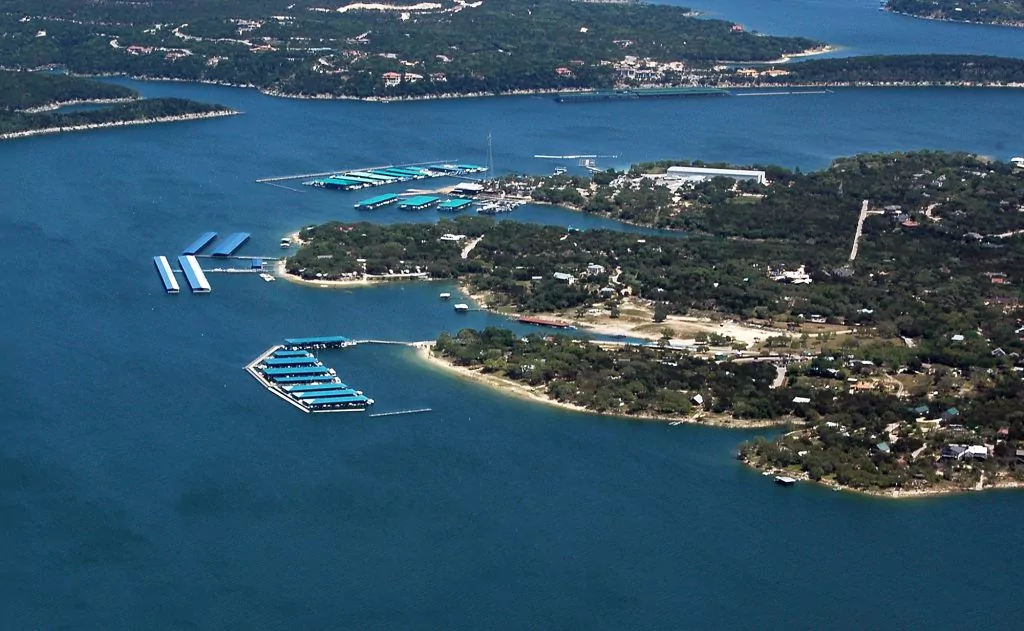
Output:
x=166 y=275
x=200 y=243
x=194 y=274
x=376 y=202
x=369 y=175
x=338 y=183
x=230 y=244
x=636 y=94
x=454 y=205
x=353 y=179
x=298 y=378
x=419 y=202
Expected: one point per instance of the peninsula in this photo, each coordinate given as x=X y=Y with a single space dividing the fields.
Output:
x=999 y=12
x=30 y=104
x=871 y=297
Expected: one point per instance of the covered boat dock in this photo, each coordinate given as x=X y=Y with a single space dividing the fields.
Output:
x=197 y=246
x=419 y=202
x=376 y=202
x=230 y=244
x=332 y=341
x=454 y=205
x=194 y=274
x=166 y=275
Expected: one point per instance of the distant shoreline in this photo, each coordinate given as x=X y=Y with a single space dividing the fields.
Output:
x=141 y=121
x=1005 y=24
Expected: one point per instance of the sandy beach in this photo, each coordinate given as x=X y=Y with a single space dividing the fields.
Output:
x=511 y=388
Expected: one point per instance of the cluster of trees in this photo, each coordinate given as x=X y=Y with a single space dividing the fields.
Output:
x=20 y=90
x=628 y=380
x=26 y=90
x=985 y=11
x=844 y=442
x=494 y=47
x=898 y=69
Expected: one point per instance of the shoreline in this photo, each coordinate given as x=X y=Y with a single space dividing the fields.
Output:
x=1001 y=484
x=50 y=107
x=1003 y=24
x=139 y=121
x=425 y=353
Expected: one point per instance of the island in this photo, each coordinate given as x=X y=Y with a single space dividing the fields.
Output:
x=861 y=302
x=1000 y=12
x=30 y=105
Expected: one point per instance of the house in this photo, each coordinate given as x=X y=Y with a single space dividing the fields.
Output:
x=594 y=269
x=562 y=276
x=607 y=291
x=697 y=399
x=452 y=237
x=392 y=79
x=920 y=410
x=1003 y=432
x=562 y=71
x=1020 y=456
x=976 y=452
x=881 y=448
x=953 y=452
x=801 y=400
x=957 y=338
x=950 y=414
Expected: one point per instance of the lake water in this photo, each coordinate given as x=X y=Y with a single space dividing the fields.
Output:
x=147 y=482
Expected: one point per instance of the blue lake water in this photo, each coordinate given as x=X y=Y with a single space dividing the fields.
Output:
x=147 y=482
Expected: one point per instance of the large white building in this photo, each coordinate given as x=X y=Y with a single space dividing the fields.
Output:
x=705 y=173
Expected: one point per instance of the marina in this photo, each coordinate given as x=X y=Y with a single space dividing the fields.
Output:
x=199 y=244
x=166 y=275
x=294 y=375
x=376 y=202
x=355 y=179
x=194 y=274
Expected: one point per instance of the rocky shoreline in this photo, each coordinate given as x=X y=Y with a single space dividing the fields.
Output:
x=50 y=107
x=141 y=121
x=892 y=494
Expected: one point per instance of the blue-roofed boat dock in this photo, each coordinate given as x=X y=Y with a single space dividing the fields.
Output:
x=419 y=202
x=230 y=244
x=454 y=205
x=376 y=202
x=194 y=274
x=197 y=246
x=166 y=275
x=294 y=375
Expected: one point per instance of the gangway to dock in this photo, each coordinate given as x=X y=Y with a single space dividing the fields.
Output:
x=197 y=246
x=230 y=244
x=194 y=274
x=166 y=275
x=401 y=412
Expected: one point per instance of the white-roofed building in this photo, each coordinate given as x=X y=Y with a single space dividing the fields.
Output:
x=706 y=173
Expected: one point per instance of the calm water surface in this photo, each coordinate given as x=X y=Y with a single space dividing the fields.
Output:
x=147 y=482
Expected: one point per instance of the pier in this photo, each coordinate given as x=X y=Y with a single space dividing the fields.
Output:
x=194 y=274
x=306 y=176
x=401 y=412
x=166 y=275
